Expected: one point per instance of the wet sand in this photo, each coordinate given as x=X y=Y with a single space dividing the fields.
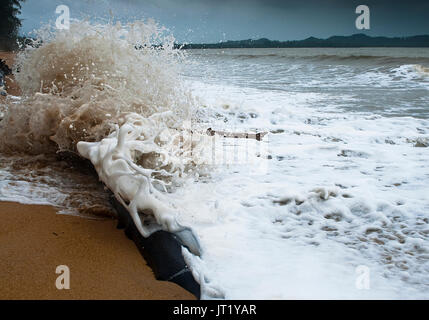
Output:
x=103 y=263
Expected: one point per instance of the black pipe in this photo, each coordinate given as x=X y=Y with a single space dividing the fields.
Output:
x=162 y=251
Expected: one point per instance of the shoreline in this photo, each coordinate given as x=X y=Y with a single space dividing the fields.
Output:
x=103 y=263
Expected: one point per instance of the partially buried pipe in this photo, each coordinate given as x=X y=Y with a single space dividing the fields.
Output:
x=162 y=251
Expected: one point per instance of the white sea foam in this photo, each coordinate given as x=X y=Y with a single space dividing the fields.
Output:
x=342 y=190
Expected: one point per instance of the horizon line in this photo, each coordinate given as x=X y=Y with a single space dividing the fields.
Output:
x=310 y=37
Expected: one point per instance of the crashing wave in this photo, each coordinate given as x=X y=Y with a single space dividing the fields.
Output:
x=112 y=94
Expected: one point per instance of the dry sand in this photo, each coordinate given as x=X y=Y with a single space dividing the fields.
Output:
x=103 y=263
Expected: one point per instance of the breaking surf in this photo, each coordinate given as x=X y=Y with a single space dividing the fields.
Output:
x=324 y=192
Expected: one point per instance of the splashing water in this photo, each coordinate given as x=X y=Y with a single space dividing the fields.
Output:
x=79 y=83
x=111 y=93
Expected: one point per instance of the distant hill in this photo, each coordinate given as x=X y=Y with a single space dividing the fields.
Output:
x=356 y=40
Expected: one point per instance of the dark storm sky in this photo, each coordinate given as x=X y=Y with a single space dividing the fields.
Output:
x=216 y=20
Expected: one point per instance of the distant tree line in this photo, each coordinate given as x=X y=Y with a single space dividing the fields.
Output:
x=353 y=41
x=9 y=23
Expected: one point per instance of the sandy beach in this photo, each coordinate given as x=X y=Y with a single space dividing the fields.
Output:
x=103 y=262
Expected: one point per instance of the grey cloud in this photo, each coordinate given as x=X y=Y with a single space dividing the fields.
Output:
x=215 y=20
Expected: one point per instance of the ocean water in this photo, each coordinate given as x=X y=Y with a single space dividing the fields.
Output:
x=346 y=180
x=336 y=190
